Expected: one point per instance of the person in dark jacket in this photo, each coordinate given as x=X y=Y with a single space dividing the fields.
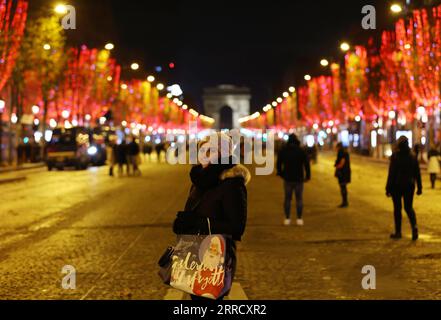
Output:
x=133 y=151
x=294 y=168
x=343 y=173
x=404 y=174
x=434 y=166
x=159 y=148
x=219 y=193
x=121 y=157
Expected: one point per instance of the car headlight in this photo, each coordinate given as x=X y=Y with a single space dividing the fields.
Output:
x=92 y=151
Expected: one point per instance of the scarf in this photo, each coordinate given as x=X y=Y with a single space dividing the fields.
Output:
x=204 y=179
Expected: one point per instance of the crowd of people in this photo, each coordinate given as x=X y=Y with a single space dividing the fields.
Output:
x=217 y=201
x=403 y=181
x=127 y=155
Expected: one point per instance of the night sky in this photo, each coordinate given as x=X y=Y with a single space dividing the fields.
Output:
x=266 y=45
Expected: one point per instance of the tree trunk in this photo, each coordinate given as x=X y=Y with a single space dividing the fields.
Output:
x=44 y=127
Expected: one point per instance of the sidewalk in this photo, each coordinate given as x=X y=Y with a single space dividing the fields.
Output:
x=26 y=166
x=17 y=173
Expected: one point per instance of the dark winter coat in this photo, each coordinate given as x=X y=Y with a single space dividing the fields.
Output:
x=404 y=173
x=293 y=164
x=133 y=149
x=121 y=153
x=219 y=193
x=343 y=174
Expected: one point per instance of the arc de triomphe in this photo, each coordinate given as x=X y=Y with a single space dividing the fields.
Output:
x=227 y=104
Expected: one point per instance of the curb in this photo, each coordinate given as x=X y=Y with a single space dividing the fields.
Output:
x=12 y=180
x=38 y=166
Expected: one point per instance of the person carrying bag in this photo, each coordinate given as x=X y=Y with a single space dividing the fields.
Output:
x=203 y=262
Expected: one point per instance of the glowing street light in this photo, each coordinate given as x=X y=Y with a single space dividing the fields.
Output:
x=109 y=46
x=35 y=109
x=279 y=100
x=124 y=86
x=150 y=78
x=65 y=114
x=285 y=94
x=61 y=9
x=292 y=89
x=14 y=118
x=134 y=66
x=396 y=8
x=47 y=47
x=160 y=87
x=53 y=123
x=308 y=77
x=345 y=47
x=324 y=63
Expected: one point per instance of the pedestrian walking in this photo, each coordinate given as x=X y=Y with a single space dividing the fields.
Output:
x=111 y=150
x=147 y=150
x=434 y=166
x=218 y=192
x=121 y=157
x=293 y=166
x=343 y=173
x=133 y=152
x=159 y=148
x=404 y=174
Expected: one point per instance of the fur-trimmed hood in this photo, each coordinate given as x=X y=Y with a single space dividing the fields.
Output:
x=238 y=171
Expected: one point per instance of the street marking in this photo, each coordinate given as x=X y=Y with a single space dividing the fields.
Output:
x=236 y=293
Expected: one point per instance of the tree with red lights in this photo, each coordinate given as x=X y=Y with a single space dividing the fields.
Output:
x=13 y=16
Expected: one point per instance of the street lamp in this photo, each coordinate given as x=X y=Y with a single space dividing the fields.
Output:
x=109 y=46
x=396 y=8
x=285 y=94
x=150 y=78
x=292 y=89
x=160 y=86
x=35 y=109
x=134 y=66
x=308 y=77
x=61 y=9
x=324 y=63
x=47 y=46
x=345 y=47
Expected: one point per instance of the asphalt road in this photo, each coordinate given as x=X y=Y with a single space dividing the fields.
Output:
x=112 y=231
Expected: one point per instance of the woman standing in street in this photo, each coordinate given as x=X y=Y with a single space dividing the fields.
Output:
x=343 y=173
x=218 y=192
x=404 y=174
x=434 y=167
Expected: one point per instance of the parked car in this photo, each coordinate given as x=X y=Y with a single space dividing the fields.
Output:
x=69 y=148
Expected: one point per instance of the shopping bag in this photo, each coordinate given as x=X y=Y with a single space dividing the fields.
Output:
x=203 y=265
